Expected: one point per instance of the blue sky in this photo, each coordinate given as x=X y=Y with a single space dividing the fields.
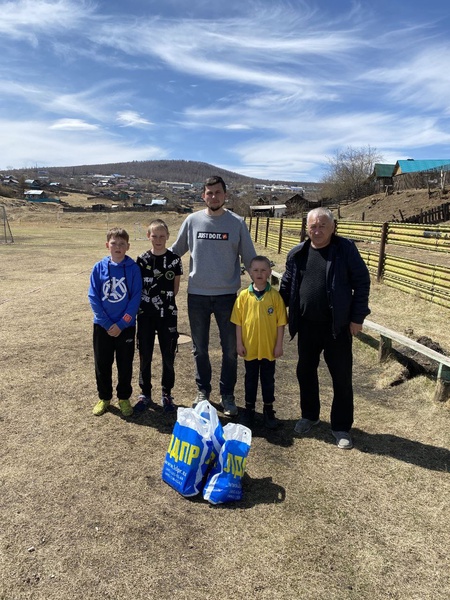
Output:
x=267 y=88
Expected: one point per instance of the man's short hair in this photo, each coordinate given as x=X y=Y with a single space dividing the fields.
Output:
x=118 y=232
x=214 y=180
x=320 y=211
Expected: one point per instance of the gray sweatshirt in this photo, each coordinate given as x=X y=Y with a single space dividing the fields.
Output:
x=216 y=245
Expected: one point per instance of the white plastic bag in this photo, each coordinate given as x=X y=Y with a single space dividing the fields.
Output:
x=208 y=412
x=224 y=482
x=189 y=454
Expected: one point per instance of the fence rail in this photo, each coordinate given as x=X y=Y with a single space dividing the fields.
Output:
x=431 y=282
x=436 y=238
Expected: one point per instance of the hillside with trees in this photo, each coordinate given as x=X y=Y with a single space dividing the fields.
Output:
x=156 y=170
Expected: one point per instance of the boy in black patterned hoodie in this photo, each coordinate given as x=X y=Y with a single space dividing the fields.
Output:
x=161 y=271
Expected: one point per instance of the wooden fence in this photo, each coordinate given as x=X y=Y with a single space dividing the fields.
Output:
x=428 y=281
x=434 y=215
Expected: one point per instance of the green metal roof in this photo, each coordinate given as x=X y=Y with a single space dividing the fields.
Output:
x=414 y=166
x=382 y=170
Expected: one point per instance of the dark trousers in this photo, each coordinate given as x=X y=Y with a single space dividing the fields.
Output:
x=105 y=348
x=166 y=328
x=200 y=310
x=313 y=338
x=255 y=371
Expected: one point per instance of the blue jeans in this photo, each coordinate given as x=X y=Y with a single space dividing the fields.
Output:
x=200 y=309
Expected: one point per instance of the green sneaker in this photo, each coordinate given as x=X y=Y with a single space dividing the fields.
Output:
x=101 y=407
x=125 y=408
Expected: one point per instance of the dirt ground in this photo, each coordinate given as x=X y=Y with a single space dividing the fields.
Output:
x=84 y=511
x=381 y=208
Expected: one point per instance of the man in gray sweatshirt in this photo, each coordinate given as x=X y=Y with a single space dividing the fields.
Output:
x=217 y=240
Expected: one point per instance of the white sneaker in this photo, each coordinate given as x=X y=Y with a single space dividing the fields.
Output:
x=343 y=440
x=201 y=395
x=229 y=406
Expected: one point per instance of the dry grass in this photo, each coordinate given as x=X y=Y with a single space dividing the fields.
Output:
x=86 y=515
x=380 y=208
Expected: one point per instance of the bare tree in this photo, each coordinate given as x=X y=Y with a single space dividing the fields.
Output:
x=348 y=173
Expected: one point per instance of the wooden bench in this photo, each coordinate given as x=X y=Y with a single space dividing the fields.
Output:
x=387 y=336
x=275 y=279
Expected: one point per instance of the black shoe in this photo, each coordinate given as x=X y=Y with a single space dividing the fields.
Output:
x=167 y=402
x=270 y=422
x=142 y=404
x=248 y=418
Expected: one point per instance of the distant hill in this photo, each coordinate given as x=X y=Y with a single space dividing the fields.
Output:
x=158 y=170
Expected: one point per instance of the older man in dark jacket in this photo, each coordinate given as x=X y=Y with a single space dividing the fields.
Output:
x=326 y=288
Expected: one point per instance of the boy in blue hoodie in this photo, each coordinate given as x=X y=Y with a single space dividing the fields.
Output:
x=115 y=294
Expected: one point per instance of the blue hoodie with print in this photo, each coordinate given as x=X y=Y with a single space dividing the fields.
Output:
x=115 y=292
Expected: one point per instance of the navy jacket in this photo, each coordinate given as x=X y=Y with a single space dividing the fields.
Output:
x=347 y=281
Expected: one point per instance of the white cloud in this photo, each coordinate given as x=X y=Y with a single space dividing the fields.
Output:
x=73 y=125
x=236 y=127
x=61 y=147
x=130 y=118
x=421 y=81
x=249 y=50
x=94 y=102
x=29 y=19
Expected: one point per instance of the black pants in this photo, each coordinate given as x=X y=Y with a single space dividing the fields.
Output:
x=313 y=338
x=259 y=370
x=105 y=348
x=166 y=328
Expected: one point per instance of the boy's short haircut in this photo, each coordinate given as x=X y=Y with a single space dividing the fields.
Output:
x=214 y=180
x=260 y=258
x=156 y=224
x=117 y=232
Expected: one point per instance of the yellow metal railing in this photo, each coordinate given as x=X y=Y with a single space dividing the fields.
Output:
x=428 y=281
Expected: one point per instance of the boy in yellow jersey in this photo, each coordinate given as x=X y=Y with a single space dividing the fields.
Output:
x=260 y=316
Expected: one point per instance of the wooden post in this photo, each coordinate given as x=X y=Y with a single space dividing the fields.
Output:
x=257 y=229
x=442 y=391
x=385 y=348
x=267 y=232
x=384 y=234
x=280 y=236
x=303 y=230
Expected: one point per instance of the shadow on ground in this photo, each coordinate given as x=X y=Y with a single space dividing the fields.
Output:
x=417 y=453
